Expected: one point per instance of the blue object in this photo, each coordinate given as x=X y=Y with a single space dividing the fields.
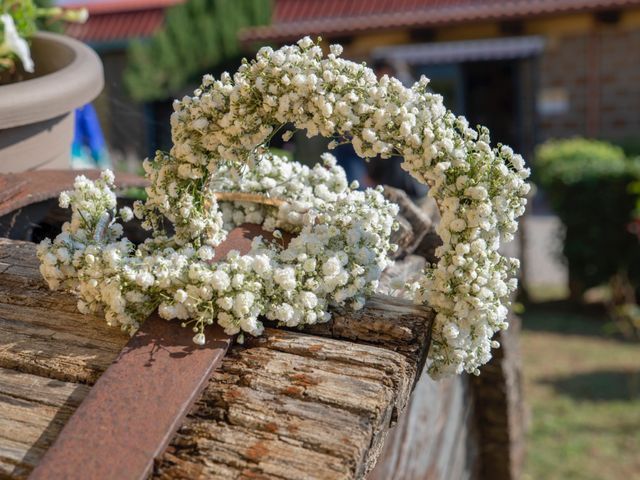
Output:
x=88 y=150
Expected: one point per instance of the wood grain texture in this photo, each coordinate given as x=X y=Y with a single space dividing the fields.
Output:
x=294 y=406
x=41 y=332
x=306 y=406
x=501 y=408
x=34 y=410
x=414 y=222
x=435 y=438
x=291 y=404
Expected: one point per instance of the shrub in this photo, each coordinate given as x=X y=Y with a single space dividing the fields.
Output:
x=587 y=182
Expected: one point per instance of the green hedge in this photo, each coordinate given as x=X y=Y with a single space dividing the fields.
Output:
x=587 y=183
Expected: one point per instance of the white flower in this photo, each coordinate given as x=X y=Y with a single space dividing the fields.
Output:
x=13 y=42
x=336 y=49
x=285 y=277
x=358 y=303
x=332 y=267
x=220 y=280
x=64 y=200
x=309 y=265
x=145 y=279
x=457 y=225
x=206 y=253
x=477 y=193
x=243 y=303
x=305 y=42
x=180 y=296
x=237 y=281
x=251 y=325
x=107 y=177
x=284 y=312
x=226 y=303
x=261 y=265
x=308 y=299
x=126 y=214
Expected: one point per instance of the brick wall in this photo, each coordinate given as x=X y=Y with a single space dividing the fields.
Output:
x=600 y=73
x=620 y=84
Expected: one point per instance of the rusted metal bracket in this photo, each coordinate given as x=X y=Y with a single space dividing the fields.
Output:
x=18 y=190
x=138 y=403
x=27 y=198
x=133 y=410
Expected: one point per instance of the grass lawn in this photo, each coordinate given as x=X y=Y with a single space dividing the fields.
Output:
x=583 y=391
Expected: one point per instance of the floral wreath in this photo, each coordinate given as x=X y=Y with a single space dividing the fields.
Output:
x=220 y=137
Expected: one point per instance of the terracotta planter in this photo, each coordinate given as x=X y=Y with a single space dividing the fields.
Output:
x=36 y=115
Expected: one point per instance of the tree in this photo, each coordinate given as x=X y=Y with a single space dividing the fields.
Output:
x=197 y=36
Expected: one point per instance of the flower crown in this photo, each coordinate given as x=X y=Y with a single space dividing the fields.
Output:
x=221 y=137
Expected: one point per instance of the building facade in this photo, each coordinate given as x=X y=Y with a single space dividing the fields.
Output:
x=530 y=70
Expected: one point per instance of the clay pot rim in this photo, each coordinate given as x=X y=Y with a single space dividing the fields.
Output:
x=55 y=93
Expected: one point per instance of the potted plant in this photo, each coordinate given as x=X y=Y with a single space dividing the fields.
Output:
x=43 y=78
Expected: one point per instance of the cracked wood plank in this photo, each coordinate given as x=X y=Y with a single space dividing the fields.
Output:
x=292 y=404
x=436 y=436
x=41 y=332
x=34 y=410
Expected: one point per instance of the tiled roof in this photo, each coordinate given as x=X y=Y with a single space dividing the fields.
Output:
x=295 y=18
x=113 y=6
x=115 y=20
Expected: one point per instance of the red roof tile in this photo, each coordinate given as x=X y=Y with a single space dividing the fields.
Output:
x=119 y=20
x=295 y=18
x=113 y=6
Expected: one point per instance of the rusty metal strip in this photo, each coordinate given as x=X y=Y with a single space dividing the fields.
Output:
x=10 y=187
x=133 y=410
x=18 y=190
x=138 y=403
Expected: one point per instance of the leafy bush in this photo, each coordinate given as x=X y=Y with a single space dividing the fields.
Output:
x=197 y=36
x=587 y=182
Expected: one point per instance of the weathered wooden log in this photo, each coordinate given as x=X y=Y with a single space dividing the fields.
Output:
x=414 y=223
x=316 y=403
x=416 y=234
x=500 y=407
x=286 y=405
x=33 y=410
x=427 y=246
x=404 y=237
x=436 y=437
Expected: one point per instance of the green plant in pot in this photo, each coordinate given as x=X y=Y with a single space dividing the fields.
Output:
x=20 y=20
x=44 y=77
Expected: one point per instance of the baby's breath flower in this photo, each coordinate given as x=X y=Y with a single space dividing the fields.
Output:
x=341 y=235
x=126 y=214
